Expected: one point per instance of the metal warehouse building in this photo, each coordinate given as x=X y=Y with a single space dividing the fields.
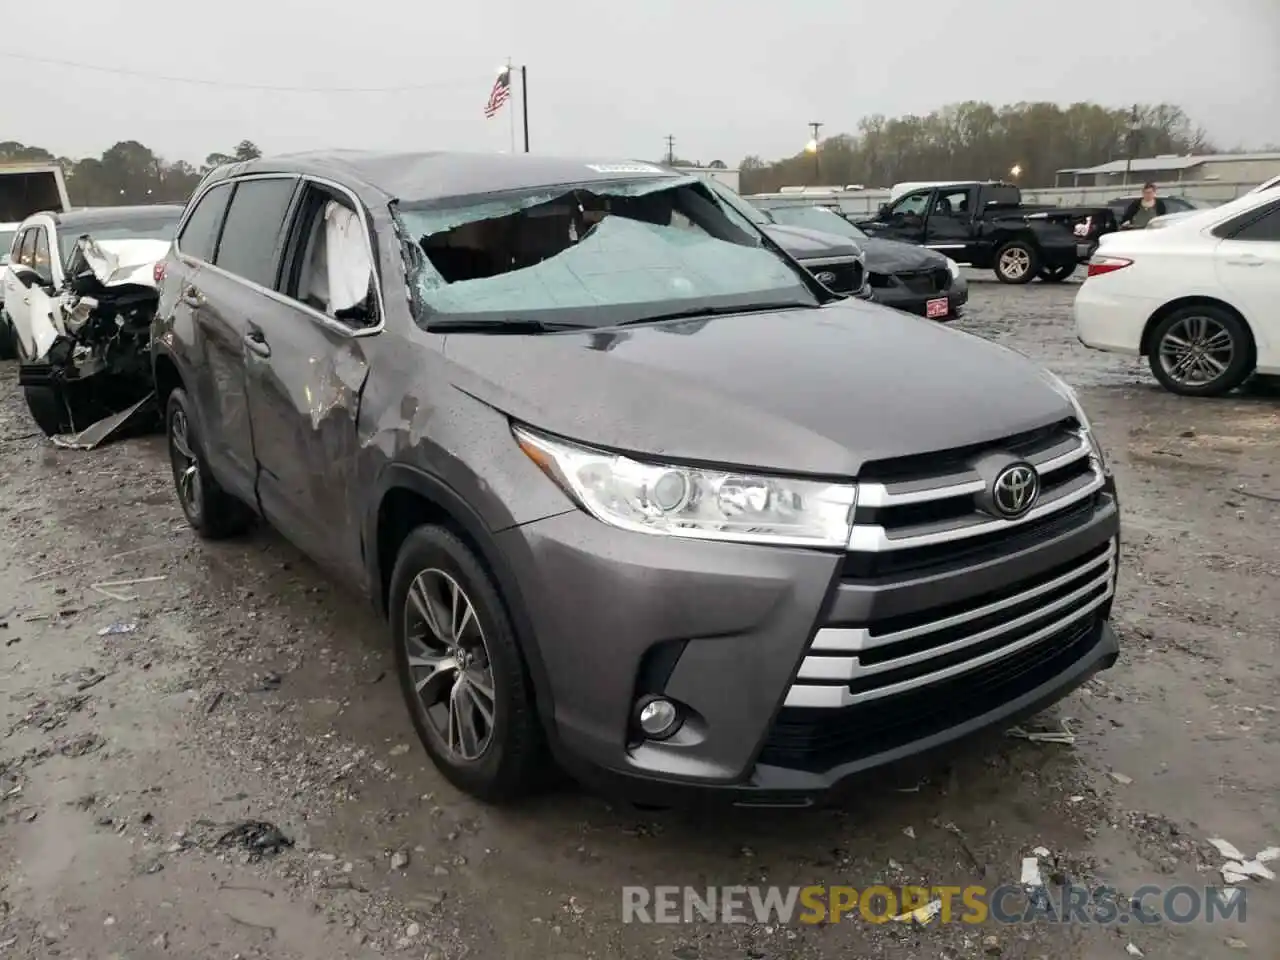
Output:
x=1220 y=168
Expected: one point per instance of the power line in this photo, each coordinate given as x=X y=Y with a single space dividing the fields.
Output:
x=232 y=85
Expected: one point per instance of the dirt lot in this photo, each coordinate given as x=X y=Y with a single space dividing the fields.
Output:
x=136 y=732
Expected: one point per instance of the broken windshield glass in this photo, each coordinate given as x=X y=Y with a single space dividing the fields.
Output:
x=593 y=255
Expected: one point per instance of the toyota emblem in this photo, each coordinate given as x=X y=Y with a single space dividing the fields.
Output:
x=826 y=277
x=1015 y=490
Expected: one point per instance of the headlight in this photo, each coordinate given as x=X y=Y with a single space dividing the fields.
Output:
x=954 y=268
x=1086 y=427
x=677 y=501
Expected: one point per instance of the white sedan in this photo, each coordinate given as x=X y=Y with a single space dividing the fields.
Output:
x=1197 y=297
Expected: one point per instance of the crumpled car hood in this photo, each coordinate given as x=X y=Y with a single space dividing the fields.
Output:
x=811 y=391
x=117 y=263
x=892 y=256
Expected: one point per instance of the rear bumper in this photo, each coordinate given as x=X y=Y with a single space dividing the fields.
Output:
x=1110 y=321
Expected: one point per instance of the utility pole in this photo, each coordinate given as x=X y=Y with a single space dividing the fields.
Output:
x=671 y=148
x=1134 y=127
x=817 y=162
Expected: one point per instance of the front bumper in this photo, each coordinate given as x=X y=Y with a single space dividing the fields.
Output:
x=730 y=632
x=902 y=298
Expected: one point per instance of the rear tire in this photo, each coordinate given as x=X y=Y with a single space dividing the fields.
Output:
x=212 y=512
x=1057 y=274
x=8 y=348
x=1017 y=262
x=1201 y=351
x=501 y=757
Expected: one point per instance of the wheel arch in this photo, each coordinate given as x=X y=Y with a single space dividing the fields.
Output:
x=167 y=376
x=408 y=498
x=1168 y=309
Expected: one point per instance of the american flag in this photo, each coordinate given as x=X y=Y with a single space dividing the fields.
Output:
x=500 y=93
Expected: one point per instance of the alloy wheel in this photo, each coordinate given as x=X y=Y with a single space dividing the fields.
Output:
x=186 y=464
x=1196 y=350
x=449 y=665
x=1015 y=262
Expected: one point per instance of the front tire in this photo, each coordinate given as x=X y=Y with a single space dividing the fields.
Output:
x=461 y=670
x=1057 y=274
x=1017 y=262
x=1201 y=351
x=212 y=512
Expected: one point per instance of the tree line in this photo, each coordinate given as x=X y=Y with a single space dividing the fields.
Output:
x=970 y=140
x=126 y=173
x=975 y=140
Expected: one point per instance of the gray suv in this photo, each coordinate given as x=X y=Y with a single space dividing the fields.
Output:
x=631 y=487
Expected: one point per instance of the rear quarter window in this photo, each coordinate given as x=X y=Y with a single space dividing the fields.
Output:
x=200 y=233
x=255 y=225
x=1256 y=224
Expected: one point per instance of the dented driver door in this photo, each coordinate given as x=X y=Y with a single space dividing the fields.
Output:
x=306 y=369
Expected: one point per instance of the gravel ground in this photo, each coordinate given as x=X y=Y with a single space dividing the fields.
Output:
x=244 y=686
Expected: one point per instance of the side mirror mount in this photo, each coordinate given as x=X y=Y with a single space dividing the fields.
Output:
x=884 y=211
x=28 y=277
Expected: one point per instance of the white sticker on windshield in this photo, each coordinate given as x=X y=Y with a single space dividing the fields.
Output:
x=624 y=168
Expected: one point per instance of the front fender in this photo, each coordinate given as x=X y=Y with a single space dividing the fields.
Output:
x=402 y=476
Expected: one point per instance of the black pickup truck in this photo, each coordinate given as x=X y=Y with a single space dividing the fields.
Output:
x=986 y=225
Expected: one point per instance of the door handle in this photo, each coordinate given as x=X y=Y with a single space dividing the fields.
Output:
x=26 y=299
x=257 y=343
x=191 y=296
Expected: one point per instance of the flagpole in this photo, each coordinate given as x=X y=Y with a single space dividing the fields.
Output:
x=511 y=114
x=524 y=103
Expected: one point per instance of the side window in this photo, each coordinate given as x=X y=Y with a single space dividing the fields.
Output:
x=1256 y=224
x=1265 y=228
x=329 y=266
x=40 y=261
x=912 y=206
x=27 y=247
x=255 y=223
x=952 y=204
x=200 y=234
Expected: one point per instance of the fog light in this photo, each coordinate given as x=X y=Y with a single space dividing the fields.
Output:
x=658 y=718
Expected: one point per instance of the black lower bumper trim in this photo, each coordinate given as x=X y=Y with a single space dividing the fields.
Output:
x=1003 y=702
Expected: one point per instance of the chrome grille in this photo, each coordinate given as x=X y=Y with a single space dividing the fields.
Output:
x=916 y=511
x=853 y=665
x=846 y=274
x=924 y=514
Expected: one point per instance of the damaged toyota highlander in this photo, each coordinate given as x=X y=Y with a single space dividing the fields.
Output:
x=633 y=489
x=80 y=294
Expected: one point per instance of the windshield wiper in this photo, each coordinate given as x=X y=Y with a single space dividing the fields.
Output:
x=507 y=325
x=713 y=312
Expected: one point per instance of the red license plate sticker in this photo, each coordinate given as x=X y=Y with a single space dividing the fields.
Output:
x=937 y=308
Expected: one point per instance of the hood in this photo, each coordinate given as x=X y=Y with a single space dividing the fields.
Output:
x=117 y=263
x=893 y=256
x=805 y=244
x=806 y=391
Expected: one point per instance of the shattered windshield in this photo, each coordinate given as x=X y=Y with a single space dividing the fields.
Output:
x=151 y=227
x=593 y=254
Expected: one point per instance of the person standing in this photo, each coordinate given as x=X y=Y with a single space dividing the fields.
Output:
x=1143 y=210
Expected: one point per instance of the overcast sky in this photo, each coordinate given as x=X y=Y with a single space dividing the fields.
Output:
x=725 y=78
